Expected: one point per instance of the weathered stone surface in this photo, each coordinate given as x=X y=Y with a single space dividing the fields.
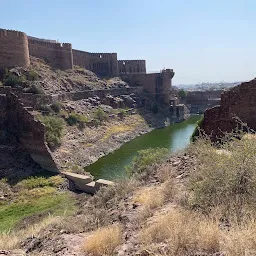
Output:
x=240 y=102
x=17 y=120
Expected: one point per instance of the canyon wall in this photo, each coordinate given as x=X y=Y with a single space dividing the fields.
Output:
x=240 y=102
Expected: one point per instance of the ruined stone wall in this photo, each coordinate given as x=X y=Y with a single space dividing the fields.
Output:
x=56 y=54
x=13 y=49
x=131 y=66
x=102 y=64
x=18 y=121
x=100 y=93
x=240 y=102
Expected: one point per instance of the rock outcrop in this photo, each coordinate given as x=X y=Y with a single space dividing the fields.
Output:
x=238 y=102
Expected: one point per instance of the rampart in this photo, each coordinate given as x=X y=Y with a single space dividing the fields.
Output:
x=102 y=64
x=13 y=49
x=56 y=54
x=156 y=84
x=132 y=67
x=17 y=120
x=236 y=102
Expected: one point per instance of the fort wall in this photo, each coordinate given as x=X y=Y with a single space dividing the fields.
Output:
x=14 y=49
x=156 y=84
x=56 y=54
x=131 y=66
x=102 y=64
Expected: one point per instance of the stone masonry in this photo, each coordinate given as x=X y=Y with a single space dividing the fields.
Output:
x=16 y=47
x=238 y=102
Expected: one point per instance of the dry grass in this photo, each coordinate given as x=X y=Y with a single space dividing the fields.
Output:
x=150 y=197
x=183 y=232
x=103 y=241
x=240 y=240
x=12 y=240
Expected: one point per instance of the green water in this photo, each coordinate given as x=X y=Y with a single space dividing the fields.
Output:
x=174 y=137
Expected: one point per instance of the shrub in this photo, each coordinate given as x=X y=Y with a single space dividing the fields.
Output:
x=13 y=80
x=196 y=131
x=182 y=94
x=32 y=75
x=45 y=108
x=183 y=232
x=145 y=159
x=226 y=177
x=75 y=118
x=103 y=241
x=35 y=88
x=54 y=127
x=100 y=115
x=56 y=107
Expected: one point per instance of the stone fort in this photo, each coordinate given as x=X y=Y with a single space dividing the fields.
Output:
x=16 y=47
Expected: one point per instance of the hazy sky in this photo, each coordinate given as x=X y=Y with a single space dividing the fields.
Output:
x=202 y=40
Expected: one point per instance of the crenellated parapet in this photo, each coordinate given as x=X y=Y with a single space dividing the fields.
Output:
x=103 y=64
x=13 y=49
x=59 y=55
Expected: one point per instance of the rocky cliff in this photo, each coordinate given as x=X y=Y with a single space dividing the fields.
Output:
x=240 y=102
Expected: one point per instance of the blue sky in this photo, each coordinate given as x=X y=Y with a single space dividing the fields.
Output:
x=202 y=40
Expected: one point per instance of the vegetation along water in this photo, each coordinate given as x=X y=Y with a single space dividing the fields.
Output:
x=174 y=137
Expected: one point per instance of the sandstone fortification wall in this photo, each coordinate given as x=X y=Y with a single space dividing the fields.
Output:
x=56 y=54
x=156 y=84
x=13 y=49
x=18 y=121
x=102 y=64
x=238 y=102
x=131 y=66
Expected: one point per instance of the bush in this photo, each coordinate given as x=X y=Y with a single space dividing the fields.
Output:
x=45 y=108
x=12 y=80
x=182 y=94
x=100 y=115
x=226 y=177
x=145 y=159
x=32 y=75
x=75 y=118
x=56 y=107
x=54 y=127
x=35 y=88
x=196 y=131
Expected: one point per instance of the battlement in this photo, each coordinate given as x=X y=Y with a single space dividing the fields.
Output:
x=12 y=33
x=49 y=44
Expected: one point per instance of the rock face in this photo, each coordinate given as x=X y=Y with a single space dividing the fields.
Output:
x=240 y=102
